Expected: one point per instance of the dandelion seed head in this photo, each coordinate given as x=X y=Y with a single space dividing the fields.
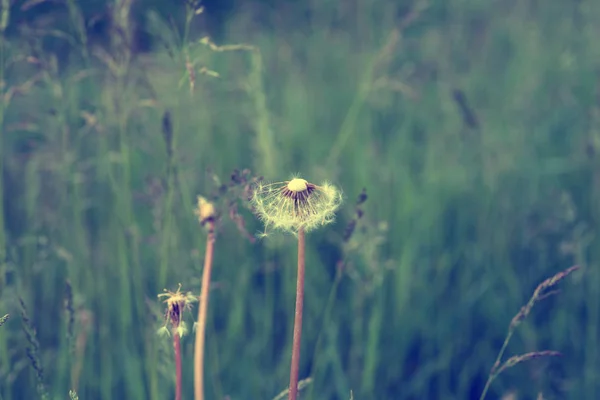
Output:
x=297 y=185
x=296 y=204
x=177 y=303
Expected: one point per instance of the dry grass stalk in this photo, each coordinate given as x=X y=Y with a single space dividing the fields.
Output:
x=33 y=351
x=541 y=292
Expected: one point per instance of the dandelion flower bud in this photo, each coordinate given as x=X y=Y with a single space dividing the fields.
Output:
x=205 y=211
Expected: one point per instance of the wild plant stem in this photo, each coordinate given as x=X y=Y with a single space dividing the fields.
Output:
x=202 y=309
x=295 y=365
x=177 y=347
x=328 y=307
x=540 y=292
x=493 y=373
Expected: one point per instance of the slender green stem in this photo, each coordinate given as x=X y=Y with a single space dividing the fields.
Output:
x=493 y=372
x=168 y=230
x=295 y=365
x=328 y=307
x=4 y=18
x=3 y=24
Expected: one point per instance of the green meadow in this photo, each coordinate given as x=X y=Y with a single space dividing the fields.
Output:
x=465 y=136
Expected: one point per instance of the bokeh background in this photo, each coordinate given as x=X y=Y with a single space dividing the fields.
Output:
x=473 y=127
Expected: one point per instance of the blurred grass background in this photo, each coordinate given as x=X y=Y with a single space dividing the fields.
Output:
x=473 y=126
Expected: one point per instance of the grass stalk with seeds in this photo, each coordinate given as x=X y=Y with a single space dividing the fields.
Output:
x=33 y=351
x=206 y=216
x=296 y=206
x=540 y=293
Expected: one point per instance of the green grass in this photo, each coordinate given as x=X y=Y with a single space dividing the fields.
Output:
x=461 y=222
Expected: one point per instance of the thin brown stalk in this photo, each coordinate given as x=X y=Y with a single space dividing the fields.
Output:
x=177 y=347
x=202 y=309
x=295 y=365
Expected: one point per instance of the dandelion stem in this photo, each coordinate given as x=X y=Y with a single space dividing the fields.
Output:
x=295 y=365
x=201 y=327
x=177 y=348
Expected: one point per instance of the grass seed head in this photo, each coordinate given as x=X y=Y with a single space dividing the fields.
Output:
x=296 y=204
